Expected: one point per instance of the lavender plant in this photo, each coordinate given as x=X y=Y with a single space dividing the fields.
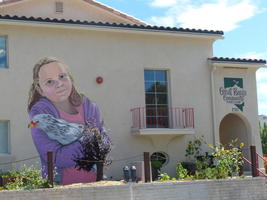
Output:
x=96 y=145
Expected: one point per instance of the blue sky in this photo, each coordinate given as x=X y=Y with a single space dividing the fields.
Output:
x=244 y=23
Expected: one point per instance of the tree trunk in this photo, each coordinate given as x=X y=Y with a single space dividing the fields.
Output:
x=99 y=171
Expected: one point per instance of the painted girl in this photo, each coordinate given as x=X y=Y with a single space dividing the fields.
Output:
x=54 y=96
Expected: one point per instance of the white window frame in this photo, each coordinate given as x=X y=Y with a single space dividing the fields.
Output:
x=168 y=89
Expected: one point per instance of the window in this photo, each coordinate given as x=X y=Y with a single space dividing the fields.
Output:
x=156 y=94
x=3 y=52
x=59 y=7
x=161 y=157
x=4 y=134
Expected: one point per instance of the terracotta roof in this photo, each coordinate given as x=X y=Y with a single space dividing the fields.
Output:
x=5 y=2
x=238 y=60
x=115 y=25
x=94 y=3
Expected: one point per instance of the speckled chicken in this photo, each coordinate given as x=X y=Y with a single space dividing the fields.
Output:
x=57 y=129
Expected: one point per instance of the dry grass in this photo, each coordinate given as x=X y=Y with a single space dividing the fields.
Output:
x=99 y=183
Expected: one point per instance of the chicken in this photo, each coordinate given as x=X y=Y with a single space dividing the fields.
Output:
x=57 y=129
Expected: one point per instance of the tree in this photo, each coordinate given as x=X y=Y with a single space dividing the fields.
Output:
x=263 y=134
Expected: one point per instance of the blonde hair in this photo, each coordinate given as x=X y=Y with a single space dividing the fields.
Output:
x=75 y=97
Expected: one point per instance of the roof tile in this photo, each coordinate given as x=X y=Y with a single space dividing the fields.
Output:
x=93 y=23
x=243 y=60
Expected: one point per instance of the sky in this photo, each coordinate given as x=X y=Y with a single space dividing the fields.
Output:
x=244 y=23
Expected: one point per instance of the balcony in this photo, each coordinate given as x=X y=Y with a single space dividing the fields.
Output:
x=162 y=121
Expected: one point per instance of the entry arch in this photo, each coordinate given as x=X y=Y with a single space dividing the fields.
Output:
x=235 y=125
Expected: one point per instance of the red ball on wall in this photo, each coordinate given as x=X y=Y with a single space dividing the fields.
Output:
x=99 y=79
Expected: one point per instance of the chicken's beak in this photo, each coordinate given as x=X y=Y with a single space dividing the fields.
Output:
x=32 y=124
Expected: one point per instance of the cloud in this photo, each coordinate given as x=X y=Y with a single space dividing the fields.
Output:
x=261 y=76
x=213 y=14
x=254 y=55
x=163 y=3
x=261 y=73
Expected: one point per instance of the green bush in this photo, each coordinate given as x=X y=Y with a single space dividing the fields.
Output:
x=156 y=164
x=263 y=134
x=28 y=178
x=164 y=177
x=194 y=148
x=180 y=171
x=10 y=173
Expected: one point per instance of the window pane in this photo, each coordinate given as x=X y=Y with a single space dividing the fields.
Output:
x=156 y=93
x=150 y=99
x=3 y=137
x=151 y=111
x=150 y=87
x=162 y=110
x=151 y=122
x=161 y=87
x=162 y=99
x=163 y=122
x=3 y=57
x=149 y=75
x=161 y=75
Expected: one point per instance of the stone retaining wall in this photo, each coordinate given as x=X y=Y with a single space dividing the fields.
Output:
x=245 y=189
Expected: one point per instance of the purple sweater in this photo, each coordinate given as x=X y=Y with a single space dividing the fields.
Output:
x=63 y=154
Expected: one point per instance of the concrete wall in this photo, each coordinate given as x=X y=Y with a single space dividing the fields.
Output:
x=245 y=189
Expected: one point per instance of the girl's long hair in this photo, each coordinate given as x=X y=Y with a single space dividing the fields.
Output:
x=75 y=97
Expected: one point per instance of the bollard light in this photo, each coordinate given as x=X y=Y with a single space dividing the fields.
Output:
x=126 y=173
x=133 y=173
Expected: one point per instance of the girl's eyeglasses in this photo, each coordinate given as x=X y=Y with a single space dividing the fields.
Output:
x=53 y=83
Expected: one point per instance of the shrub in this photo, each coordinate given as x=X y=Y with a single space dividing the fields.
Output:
x=164 y=177
x=228 y=161
x=194 y=148
x=28 y=178
x=180 y=171
x=190 y=167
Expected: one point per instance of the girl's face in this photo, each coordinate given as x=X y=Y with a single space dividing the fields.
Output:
x=54 y=82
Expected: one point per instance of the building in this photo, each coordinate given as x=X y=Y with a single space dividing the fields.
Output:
x=161 y=86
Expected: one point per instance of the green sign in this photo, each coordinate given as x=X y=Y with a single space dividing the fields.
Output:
x=233 y=92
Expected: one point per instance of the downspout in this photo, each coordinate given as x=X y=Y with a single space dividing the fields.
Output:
x=213 y=101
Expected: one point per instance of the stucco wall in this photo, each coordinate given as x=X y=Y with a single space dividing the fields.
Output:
x=246 y=189
x=120 y=58
x=249 y=115
x=73 y=9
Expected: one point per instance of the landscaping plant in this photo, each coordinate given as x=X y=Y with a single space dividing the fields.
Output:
x=28 y=178
x=194 y=148
x=180 y=171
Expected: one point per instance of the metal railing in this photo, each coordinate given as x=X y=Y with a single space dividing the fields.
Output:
x=162 y=117
x=255 y=162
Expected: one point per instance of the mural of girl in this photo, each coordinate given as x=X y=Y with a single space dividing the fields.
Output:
x=65 y=122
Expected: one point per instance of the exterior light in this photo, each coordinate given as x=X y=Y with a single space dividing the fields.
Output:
x=99 y=80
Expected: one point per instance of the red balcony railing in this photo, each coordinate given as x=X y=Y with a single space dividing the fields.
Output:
x=162 y=117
